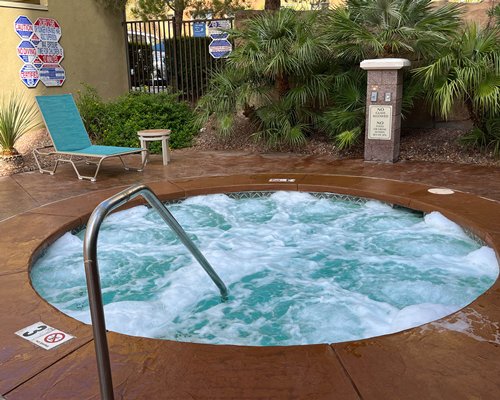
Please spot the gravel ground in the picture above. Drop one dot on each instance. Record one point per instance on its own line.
(25, 146)
(436, 145)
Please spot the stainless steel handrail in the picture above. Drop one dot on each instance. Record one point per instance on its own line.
(94, 282)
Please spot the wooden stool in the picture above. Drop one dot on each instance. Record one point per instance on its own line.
(150, 135)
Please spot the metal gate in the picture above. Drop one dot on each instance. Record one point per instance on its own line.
(165, 56)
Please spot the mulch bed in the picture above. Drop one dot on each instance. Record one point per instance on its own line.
(434, 145)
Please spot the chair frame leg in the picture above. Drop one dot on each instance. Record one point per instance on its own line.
(37, 153)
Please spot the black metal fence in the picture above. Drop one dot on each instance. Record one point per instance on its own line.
(165, 55)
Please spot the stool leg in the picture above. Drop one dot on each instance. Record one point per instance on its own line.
(164, 151)
(144, 145)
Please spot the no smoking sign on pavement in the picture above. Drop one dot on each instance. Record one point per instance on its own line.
(44, 335)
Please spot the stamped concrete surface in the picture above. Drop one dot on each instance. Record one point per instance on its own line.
(457, 357)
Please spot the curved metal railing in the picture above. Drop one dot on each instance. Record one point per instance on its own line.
(92, 271)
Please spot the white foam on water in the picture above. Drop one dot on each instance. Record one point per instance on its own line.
(299, 270)
(443, 225)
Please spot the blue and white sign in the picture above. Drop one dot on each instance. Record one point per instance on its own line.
(24, 27)
(26, 51)
(215, 29)
(199, 29)
(52, 75)
(29, 75)
(220, 48)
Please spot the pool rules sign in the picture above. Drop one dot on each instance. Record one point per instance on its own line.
(40, 51)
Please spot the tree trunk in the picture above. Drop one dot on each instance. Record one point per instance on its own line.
(272, 5)
(282, 85)
(178, 16)
(475, 118)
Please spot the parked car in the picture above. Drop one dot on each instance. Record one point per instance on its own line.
(159, 73)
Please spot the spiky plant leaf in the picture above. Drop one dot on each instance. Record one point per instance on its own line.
(17, 117)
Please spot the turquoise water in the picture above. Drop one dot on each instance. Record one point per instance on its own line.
(300, 269)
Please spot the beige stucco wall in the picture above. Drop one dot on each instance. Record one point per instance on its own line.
(93, 43)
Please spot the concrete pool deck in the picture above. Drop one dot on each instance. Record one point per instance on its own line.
(457, 357)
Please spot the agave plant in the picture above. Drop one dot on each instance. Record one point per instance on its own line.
(278, 74)
(17, 116)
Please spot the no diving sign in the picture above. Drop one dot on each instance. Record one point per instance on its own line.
(44, 335)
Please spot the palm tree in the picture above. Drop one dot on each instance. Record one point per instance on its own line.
(469, 72)
(277, 74)
(362, 29)
(412, 29)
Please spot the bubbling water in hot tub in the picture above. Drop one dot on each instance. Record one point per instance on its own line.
(301, 268)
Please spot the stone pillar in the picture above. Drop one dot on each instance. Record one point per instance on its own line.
(383, 108)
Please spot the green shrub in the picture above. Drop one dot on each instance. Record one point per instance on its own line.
(116, 123)
(486, 137)
(92, 110)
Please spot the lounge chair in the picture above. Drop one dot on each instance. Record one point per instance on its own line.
(70, 138)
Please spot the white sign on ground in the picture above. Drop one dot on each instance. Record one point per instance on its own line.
(44, 335)
(282, 180)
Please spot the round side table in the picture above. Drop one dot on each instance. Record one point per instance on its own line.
(150, 135)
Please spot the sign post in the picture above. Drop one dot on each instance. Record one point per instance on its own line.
(383, 108)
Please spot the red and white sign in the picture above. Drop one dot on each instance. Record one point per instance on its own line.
(44, 335)
(54, 337)
(26, 51)
(47, 29)
(29, 75)
(50, 52)
(37, 63)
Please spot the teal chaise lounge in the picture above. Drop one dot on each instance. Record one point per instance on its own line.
(70, 138)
